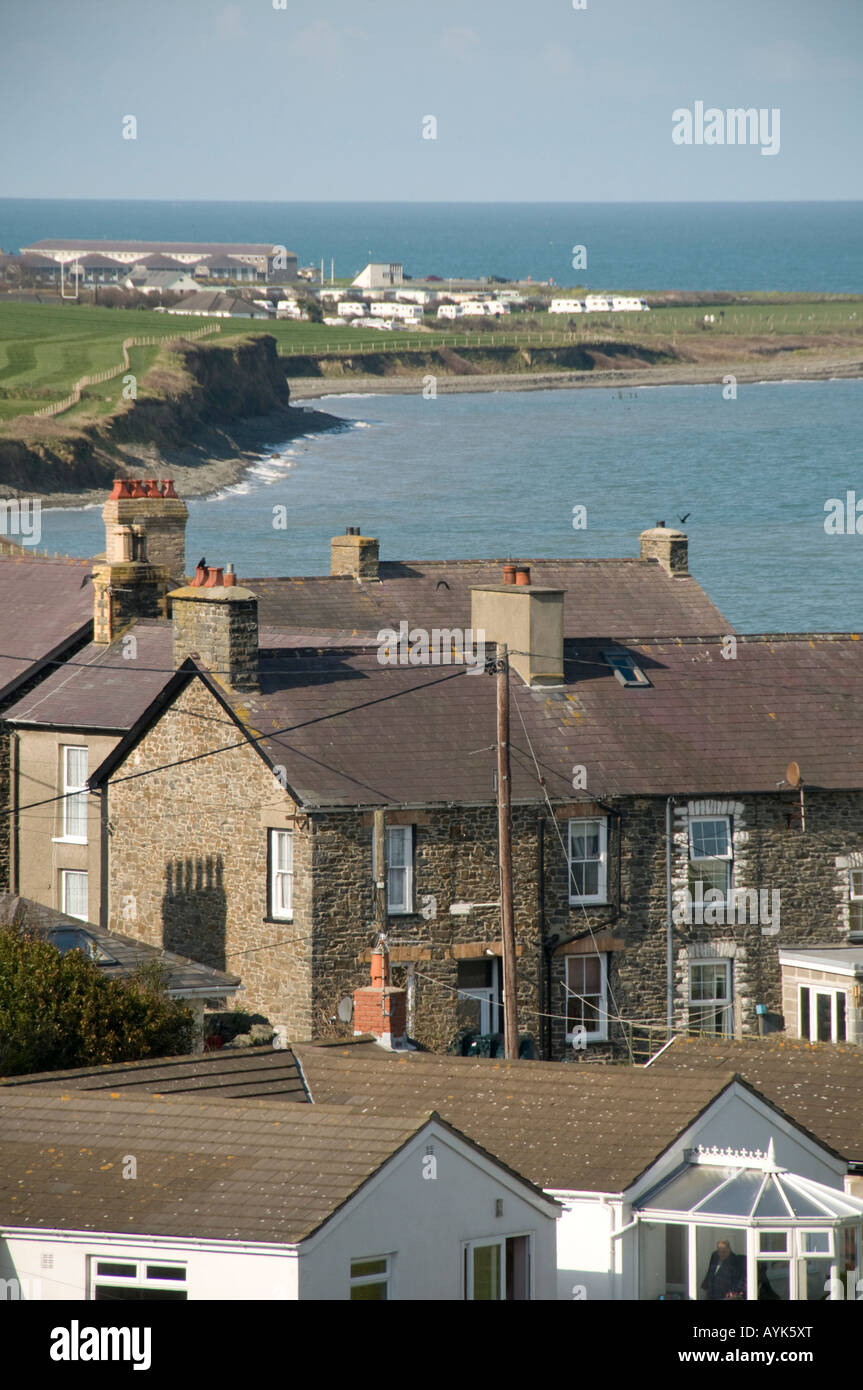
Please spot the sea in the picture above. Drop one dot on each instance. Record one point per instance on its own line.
(629, 246)
(754, 481)
(751, 479)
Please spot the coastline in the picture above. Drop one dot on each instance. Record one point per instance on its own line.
(683, 374)
(222, 455)
(217, 460)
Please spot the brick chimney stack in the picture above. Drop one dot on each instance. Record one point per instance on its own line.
(669, 547)
(354, 554)
(216, 620)
(378, 1008)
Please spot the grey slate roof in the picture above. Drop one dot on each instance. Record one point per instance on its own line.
(46, 605)
(565, 1127)
(604, 598)
(357, 732)
(261, 1073)
(100, 688)
(185, 977)
(820, 1085)
(211, 1170)
(215, 302)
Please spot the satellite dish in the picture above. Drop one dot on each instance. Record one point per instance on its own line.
(792, 775)
(345, 1009)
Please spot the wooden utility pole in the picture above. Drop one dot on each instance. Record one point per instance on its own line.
(380, 870)
(504, 835)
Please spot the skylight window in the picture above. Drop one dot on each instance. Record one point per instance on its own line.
(625, 668)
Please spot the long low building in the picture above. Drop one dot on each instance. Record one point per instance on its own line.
(211, 260)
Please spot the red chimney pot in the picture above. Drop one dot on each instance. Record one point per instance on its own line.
(522, 574)
(214, 577)
(120, 489)
(168, 487)
(509, 574)
(230, 577)
(151, 488)
(200, 577)
(136, 489)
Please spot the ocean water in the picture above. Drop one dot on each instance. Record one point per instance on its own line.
(499, 475)
(635, 246)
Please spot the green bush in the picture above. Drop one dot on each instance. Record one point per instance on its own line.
(59, 1011)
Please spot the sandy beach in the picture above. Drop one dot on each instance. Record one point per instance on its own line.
(817, 368)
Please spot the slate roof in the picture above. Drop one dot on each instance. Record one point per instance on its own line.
(101, 688)
(185, 977)
(565, 1127)
(260, 1073)
(604, 598)
(357, 732)
(46, 606)
(820, 1085)
(213, 302)
(209, 1170)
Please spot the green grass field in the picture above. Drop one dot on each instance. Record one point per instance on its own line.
(44, 348)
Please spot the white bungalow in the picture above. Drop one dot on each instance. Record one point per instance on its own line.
(219, 1199)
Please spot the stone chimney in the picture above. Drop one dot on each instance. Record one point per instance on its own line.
(669, 547)
(378, 1008)
(216, 620)
(354, 554)
(158, 511)
(528, 618)
(133, 581)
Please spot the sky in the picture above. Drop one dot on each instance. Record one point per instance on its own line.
(330, 101)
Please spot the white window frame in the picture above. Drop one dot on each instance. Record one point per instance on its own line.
(727, 858)
(814, 990)
(600, 1034)
(65, 875)
(405, 906)
(362, 1280)
(853, 899)
(601, 895)
(137, 1281)
(469, 1246)
(716, 1003)
(75, 794)
(281, 879)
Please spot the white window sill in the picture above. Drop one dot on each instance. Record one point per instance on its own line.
(588, 902)
(69, 840)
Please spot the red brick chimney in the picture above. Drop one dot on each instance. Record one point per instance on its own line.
(378, 1008)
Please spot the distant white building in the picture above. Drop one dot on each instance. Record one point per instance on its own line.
(406, 313)
(566, 306)
(350, 309)
(380, 275)
(161, 281)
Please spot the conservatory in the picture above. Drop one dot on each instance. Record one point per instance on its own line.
(787, 1237)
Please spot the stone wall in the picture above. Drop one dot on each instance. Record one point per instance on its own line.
(189, 869)
(189, 858)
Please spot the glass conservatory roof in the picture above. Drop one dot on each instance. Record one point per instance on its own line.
(716, 1185)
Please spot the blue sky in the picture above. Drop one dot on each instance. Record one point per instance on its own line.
(326, 101)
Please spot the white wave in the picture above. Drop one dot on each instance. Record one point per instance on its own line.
(235, 490)
(86, 507)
